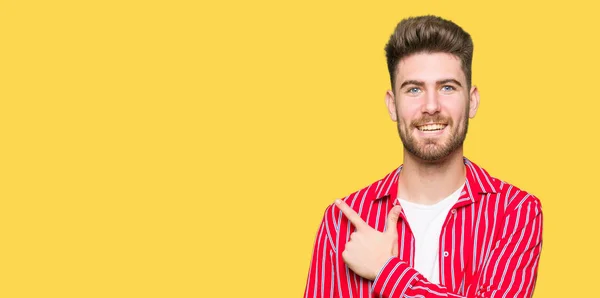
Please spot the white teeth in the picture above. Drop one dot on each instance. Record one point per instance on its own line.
(431, 127)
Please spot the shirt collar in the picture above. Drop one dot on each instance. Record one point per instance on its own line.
(478, 183)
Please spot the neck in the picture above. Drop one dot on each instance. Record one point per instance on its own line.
(427, 183)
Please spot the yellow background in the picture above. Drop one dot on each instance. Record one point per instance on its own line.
(189, 149)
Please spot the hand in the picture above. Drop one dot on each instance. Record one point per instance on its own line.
(368, 249)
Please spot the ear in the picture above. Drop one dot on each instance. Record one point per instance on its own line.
(390, 102)
(474, 102)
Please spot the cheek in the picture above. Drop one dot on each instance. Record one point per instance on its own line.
(407, 113)
(456, 112)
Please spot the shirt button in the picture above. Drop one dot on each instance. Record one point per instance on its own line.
(445, 254)
(453, 211)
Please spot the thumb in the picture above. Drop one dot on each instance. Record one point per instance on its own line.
(395, 249)
(392, 220)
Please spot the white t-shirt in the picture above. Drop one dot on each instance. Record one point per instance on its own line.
(426, 223)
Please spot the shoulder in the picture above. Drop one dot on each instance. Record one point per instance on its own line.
(514, 199)
(510, 197)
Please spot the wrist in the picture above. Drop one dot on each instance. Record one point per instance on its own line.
(380, 268)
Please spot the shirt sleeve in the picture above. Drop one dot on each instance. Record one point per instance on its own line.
(320, 282)
(510, 270)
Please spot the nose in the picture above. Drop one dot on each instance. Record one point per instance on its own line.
(432, 103)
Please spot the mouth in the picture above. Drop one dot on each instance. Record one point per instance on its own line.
(432, 127)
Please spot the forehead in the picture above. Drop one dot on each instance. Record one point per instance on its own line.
(429, 67)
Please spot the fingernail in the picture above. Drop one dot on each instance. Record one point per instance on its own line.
(337, 202)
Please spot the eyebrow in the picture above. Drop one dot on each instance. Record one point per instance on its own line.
(421, 83)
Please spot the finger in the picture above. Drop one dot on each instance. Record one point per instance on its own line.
(392, 220)
(351, 215)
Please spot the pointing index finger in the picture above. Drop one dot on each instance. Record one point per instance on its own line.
(351, 215)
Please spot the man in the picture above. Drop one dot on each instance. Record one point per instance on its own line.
(438, 225)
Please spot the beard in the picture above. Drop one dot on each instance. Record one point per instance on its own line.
(432, 149)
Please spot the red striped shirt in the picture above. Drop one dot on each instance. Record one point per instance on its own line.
(490, 244)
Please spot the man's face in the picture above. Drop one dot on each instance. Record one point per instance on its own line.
(431, 104)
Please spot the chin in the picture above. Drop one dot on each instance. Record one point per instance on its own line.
(433, 152)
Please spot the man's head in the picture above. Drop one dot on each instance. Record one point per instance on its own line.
(429, 60)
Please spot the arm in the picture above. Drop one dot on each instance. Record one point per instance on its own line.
(510, 269)
(320, 281)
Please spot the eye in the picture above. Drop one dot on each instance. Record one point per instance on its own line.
(448, 88)
(413, 90)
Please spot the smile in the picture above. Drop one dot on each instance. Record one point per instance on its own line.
(431, 127)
